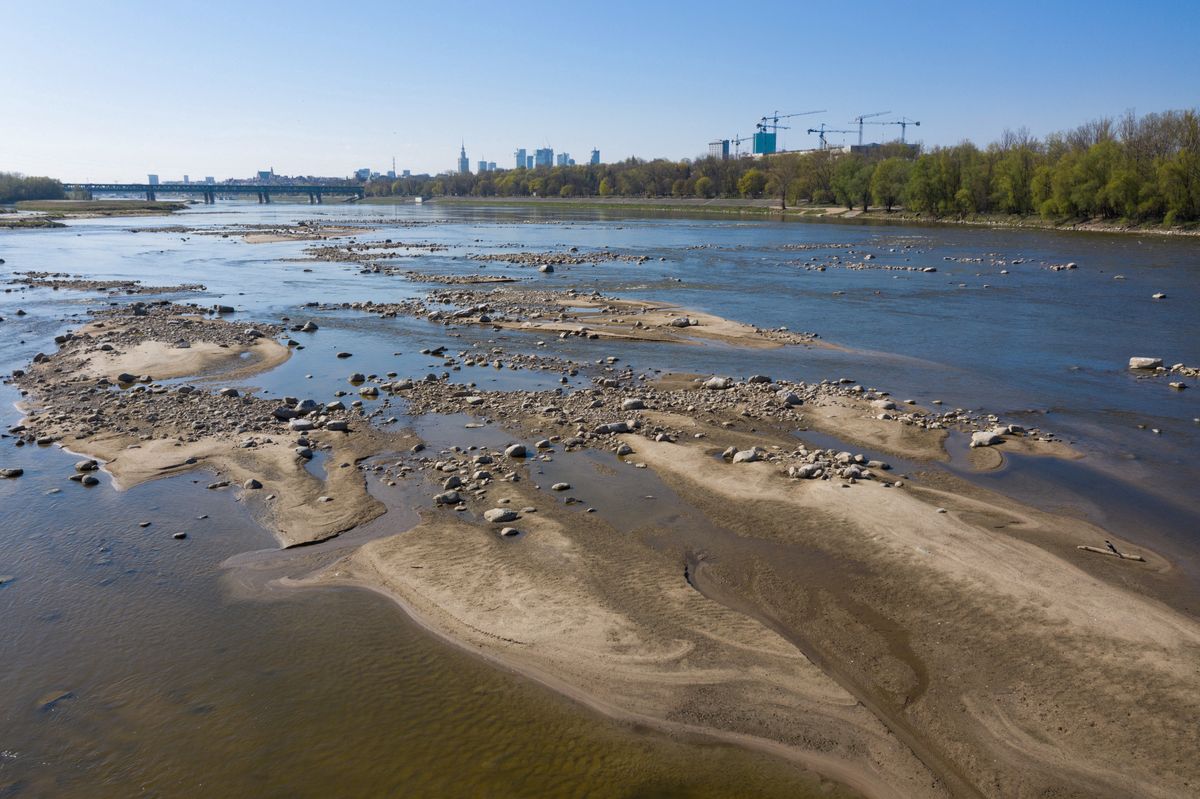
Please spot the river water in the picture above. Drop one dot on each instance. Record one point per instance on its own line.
(136, 663)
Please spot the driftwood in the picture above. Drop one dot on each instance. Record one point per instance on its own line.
(1121, 555)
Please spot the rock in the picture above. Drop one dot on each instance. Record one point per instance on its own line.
(11, 473)
(682, 321)
(252, 484)
(515, 451)
(345, 355)
(546, 268)
(748, 455)
(87, 466)
(759, 379)
(633, 405)
(301, 425)
(448, 498)
(357, 377)
(284, 413)
(985, 438)
(790, 399)
(500, 515)
(90, 480)
(126, 379)
(717, 383)
(224, 308)
(1178, 385)
(883, 404)
(308, 327)
(613, 427)
(1145, 363)
(179, 536)
(510, 532)
(48, 701)
(624, 449)
(229, 392)
(1158, 296)
(304, 452)
(561, 487)
(338, 426)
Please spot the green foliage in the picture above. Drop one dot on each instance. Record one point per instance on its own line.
(704, 186)
(752, 183)
(888, 181)
(852, 181)
(15, 187)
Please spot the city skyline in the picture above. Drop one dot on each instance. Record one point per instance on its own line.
(966, 72)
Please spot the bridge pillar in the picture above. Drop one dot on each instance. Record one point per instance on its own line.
(266, 198)
(319, 201)
(260, 199)
(312, 198)
(150, 196)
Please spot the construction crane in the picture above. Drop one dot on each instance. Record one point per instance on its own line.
(858, 120)
(737, 144)
(903, 122)
(821, 131)
(771, 124)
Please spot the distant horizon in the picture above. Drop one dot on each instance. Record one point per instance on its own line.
(86, 104)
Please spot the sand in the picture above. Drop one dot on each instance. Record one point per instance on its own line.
(900, 649)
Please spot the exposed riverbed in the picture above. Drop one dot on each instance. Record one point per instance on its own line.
(140, 662)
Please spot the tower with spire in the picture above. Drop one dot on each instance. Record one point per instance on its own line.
(464, 166)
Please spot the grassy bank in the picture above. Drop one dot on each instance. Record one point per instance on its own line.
(770, 207)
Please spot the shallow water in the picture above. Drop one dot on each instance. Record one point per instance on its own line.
(189, 674)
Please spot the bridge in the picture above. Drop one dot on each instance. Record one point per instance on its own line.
(211, 190)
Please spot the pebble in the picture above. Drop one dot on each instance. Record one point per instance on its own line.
(500, 515)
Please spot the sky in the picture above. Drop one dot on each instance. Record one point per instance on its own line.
(100, 91)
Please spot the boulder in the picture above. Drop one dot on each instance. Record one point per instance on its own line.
(985, 438)
(515, 451)
(1145, 363)
(500, 515)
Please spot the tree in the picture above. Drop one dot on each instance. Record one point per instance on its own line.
(888, 181)
(852, 181)
(752, 183)
(704, 186)
(605, 187)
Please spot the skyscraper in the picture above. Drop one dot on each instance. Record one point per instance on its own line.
(529, 162)
(481, 166)
(595, 159)
(544, 156)
(564, 159)
(464, 165)
(520, 156)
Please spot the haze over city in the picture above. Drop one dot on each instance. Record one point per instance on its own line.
(227, 89)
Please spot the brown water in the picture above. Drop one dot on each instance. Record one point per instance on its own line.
(179, 670)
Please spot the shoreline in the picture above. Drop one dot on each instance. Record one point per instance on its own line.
(801, 213)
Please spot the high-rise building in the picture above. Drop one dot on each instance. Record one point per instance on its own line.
(719, 149)
(595, 159)
(464, 166)
(359, 174)
(481, 166)
(392, 174)
(152, 180)
(544, 156)
(491, 166)
(529, 162)
(186, 180)
(210, 179)
(406, 173)
(520, 156)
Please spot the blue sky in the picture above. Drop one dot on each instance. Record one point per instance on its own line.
(113, 90)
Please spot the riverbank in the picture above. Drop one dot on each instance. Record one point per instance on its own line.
(87, 209)
(803, 212)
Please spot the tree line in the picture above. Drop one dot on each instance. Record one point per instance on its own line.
(1135, 168)
(15, 187)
